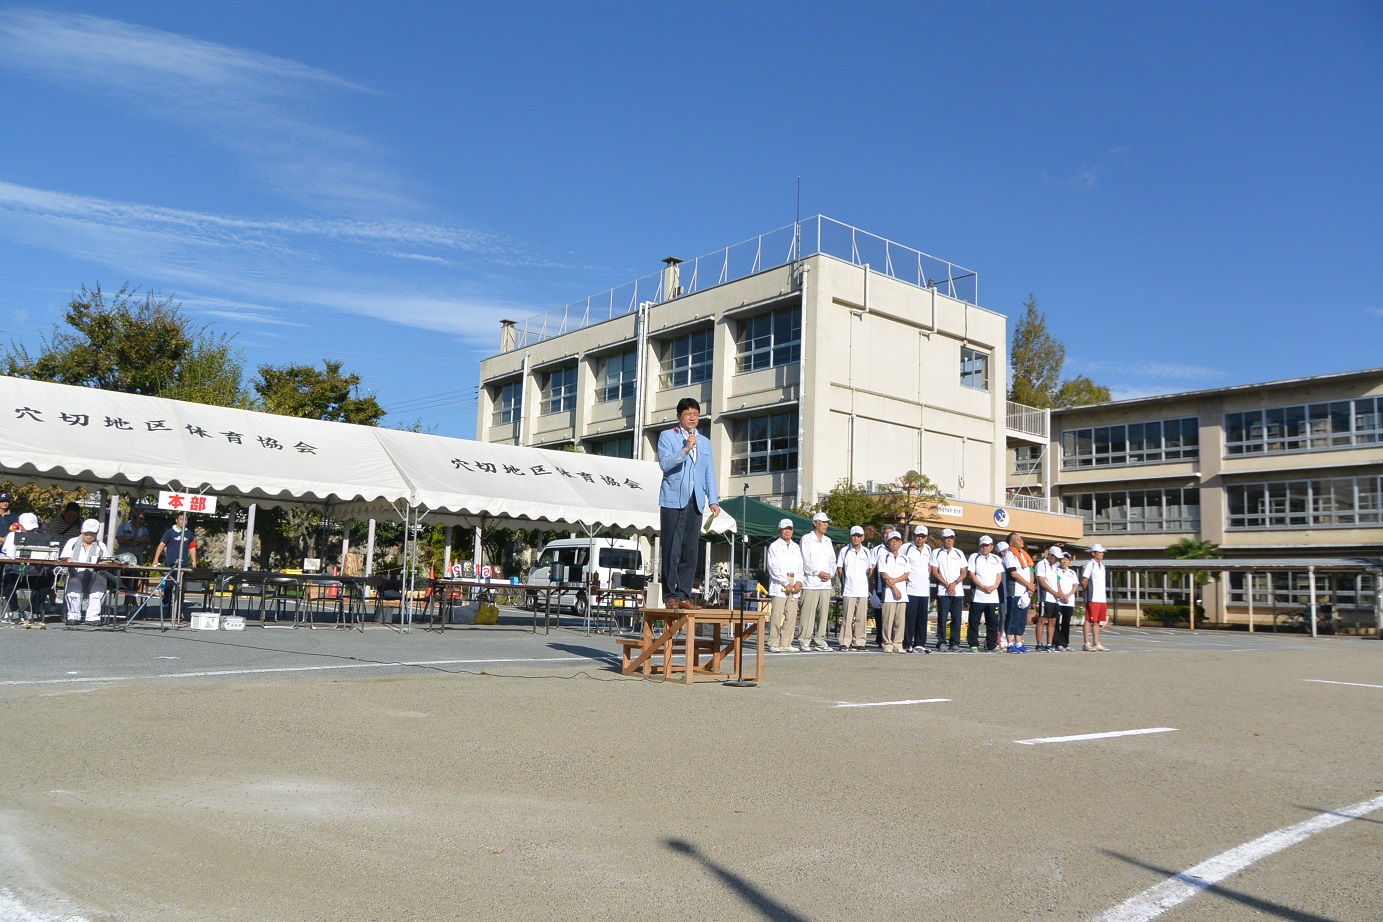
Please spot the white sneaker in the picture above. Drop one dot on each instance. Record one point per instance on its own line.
(1089, 648)
(825, 649)
(1102, 648)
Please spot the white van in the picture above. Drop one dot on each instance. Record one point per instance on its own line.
(618, 562)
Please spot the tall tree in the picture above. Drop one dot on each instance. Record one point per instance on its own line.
(121, 343)
(1036, 359)
(850, 504)
(309, 393)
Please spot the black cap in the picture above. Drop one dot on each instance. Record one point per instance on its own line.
(4, 497)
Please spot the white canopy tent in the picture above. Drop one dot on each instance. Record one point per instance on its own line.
(70, 435)
(508, 486)
(57, 433)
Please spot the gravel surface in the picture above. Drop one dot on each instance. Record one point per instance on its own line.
(310, 775)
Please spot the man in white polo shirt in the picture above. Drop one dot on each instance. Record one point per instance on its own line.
(854, 564)
(948, 572)
(818, 566)
(1092, 581)
(919, 591)
(986, 572)
(784, 583)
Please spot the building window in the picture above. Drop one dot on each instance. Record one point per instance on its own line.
(1027, 459)
(559, 391)
(687, 360)
(1135, 443)
(615, 376)
(508, 403)
(1174, 509)
(1306, 427)
(764, 444)
(769, 340)
(1156, 587)
(1292, 589)
(622, 447)
(974, 369)
(1335, 502)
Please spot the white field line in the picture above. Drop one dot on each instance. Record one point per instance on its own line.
(889, 704)
(1174, 891)
(1095, 736)
(268, 670)
(1355, 684)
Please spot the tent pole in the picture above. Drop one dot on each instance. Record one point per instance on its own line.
(249, 534)
(370, 550)
(655, 585)
(345, 546)
(230, 534)
(706, 575)
(446, 556)
(112, 520)
(475, 552)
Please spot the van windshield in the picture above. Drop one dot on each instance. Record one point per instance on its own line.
(619, 558)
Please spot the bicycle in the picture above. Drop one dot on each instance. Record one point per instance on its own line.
(1298, 620)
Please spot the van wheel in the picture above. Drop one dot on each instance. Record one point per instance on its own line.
(530, 601)
(581, 607)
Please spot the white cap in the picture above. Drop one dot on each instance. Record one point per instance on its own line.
(1054, 551)
(1064, 555)
(784, 523)
(985, 539)
(28, 521)
(1001, 546)
(856, 530)
(821, 517)
(947, 533)
(893, 534)
(1097, 548)
(920, 530)
(91, 526)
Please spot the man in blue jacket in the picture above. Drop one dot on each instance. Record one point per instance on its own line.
(689, 486)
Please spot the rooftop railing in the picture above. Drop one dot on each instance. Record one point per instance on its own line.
(817, 235)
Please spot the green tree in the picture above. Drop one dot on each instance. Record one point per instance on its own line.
(309, 393)
(1036, 359)
(849, 504)
(1080, 391)
(1194, 549)
(122, 343)
(914, 496)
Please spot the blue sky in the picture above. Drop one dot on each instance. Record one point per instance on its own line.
(1192, 190)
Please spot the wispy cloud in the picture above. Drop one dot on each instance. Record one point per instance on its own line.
(1160, 371)
(1376, 311)
(420, 257)
(269, 110)
(1089, 175)
(266, 272)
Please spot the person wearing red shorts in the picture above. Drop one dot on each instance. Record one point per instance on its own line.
(1092, 582)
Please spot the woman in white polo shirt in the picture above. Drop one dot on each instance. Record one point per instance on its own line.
(854, 565)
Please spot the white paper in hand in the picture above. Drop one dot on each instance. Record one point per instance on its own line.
(720, 523)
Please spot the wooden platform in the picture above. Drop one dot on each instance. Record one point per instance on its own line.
(703, 658)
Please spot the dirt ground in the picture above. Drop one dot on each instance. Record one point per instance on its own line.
(149, 778)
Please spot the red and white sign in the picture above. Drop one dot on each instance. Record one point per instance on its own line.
(186, 502)
(486, 571)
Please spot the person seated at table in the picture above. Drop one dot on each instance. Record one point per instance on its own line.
(38, 581)
(132, 539)
(84, 582)
(181, 546)
(67, 525)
